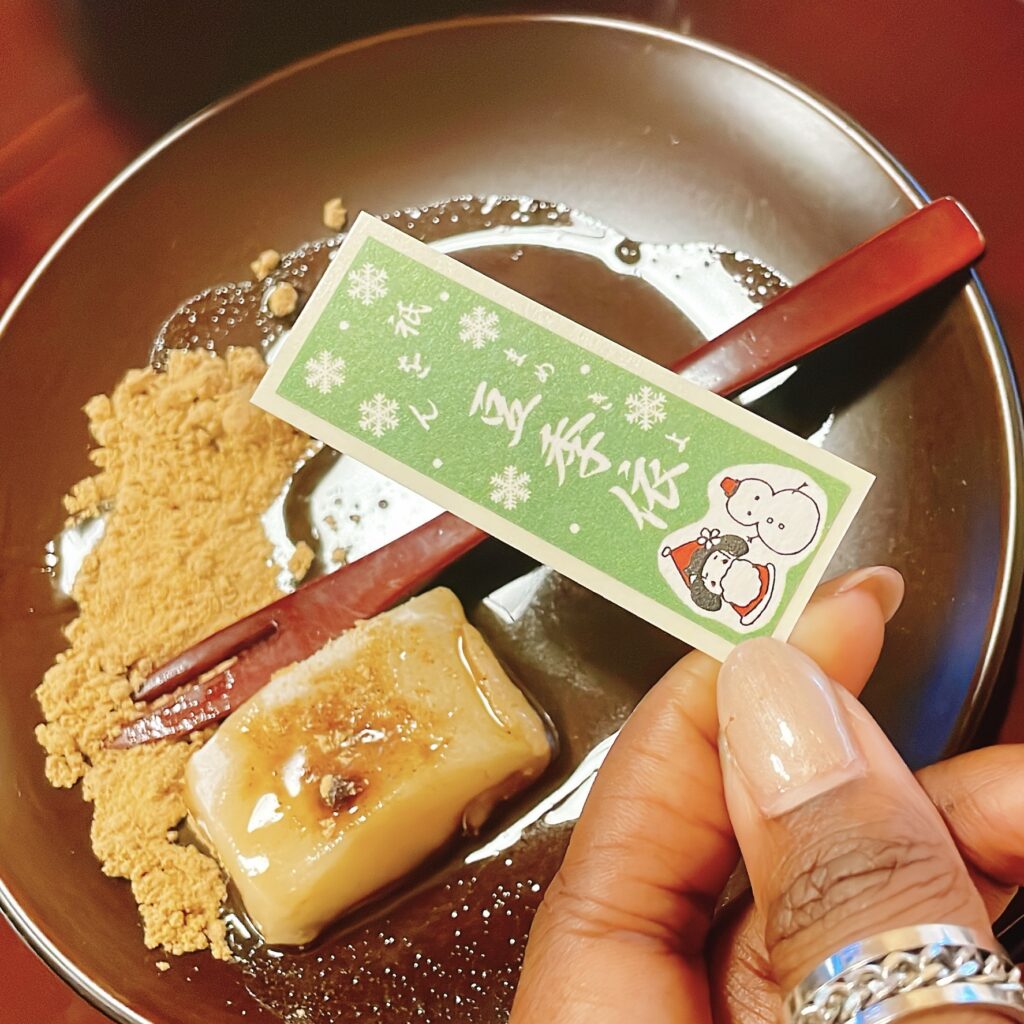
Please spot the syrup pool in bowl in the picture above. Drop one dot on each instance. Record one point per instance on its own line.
(447, 943)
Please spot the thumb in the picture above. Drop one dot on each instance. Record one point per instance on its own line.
(653, 847)
(840, 841)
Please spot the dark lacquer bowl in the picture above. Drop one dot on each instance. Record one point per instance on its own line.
(669, 140)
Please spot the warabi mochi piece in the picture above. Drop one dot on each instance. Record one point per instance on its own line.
(349, 768)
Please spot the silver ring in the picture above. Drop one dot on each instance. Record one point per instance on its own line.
(905, 971)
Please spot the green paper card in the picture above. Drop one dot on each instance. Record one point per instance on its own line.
(678, 505)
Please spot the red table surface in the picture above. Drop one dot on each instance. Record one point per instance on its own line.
(939, 82)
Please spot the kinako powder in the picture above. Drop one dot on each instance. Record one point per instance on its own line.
(186, 466)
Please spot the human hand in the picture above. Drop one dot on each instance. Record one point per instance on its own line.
(839, 840)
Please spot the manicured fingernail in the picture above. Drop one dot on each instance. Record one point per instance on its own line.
(784, 727)
(883, 583)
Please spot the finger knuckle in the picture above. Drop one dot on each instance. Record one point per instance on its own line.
(643, 905)
(981, 809)
(591, 914)
(838, 881)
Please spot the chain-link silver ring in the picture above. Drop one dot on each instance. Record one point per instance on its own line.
(906, 971)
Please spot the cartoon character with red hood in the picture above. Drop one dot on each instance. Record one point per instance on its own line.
(716, 573)
(769, 511)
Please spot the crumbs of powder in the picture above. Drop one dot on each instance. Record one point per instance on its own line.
(283, 300)
(186, 467)
(301, 560)
(335, 214)
(265, 264)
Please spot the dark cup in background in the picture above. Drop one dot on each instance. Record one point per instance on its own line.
(160, 61)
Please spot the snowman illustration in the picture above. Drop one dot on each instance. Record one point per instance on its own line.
(786, 521)
(715, 573)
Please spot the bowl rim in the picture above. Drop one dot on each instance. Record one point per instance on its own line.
(1007, 591)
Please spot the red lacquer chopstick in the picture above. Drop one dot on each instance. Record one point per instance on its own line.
(892, 266)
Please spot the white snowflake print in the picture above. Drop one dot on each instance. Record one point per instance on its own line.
(510, 487)
(325, 372)
(378, 415)
(368, 284)
(645, 408)
(479, 327)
